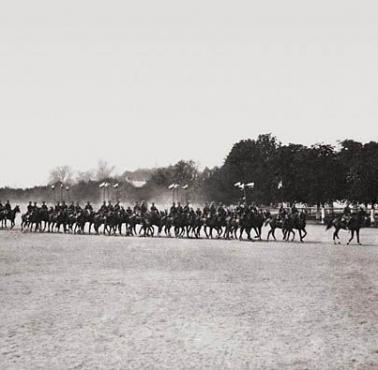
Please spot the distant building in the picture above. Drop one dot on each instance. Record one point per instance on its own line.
(136, 183)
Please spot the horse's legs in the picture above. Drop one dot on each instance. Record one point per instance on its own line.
(248, 231)
(211, 232)
(198, 232)
(241, 233)
(336, 235)
(305, 233)
(300, 235)
(358, 236)
(274, 233)
(351, 238)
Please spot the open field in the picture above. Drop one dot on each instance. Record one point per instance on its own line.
(95, 302)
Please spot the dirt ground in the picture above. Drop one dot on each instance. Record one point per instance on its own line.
(96, 302)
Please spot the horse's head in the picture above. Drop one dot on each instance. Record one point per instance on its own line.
(17, 209)
(367, 221)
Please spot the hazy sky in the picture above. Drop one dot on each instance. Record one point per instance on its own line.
(146, 83)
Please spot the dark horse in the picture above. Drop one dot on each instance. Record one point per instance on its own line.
(353, 224)
(9, 215)
(294, 222)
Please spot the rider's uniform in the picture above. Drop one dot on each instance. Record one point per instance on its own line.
(143, 208)
(29, 208)
(282, 213)
(221, 211)
(173, 210)
(8, 207)
(347, 212)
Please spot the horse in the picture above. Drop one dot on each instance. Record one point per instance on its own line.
(232, 225)
(294, 222)
(275, 222)
(353, 224)
(214, 221)
(251, 220)
(11, 216)
(31, 218)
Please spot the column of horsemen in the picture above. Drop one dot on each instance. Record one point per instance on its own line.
(215, 220)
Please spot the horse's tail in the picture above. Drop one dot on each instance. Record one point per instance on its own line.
(329, 223)
(267, 221)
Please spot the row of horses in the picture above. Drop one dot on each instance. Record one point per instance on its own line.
(230, 225)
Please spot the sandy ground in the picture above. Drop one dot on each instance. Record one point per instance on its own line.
(95, 302)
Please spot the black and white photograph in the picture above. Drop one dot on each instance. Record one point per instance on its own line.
(189, 185)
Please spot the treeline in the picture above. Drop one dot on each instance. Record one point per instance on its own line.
(315, 175)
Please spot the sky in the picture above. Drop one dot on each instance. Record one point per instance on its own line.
(146, 83)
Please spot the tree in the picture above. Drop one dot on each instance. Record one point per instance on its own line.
(253, 161)
(104, 170)
(360, 163)
(85, 176)
(289, 169)
(62, 174)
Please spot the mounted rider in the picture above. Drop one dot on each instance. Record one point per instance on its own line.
(110, 206)
(137, 208)
(71, 207)
(173, 209)
(187, 207)
(221, 211)
(117, 206)
(179, 208)
(88, 206)
(361, 212)
(143, 207)
(282, 213)
(154, 209)
(206, 209)
(78, 209)
(347, 213)
(29, 208)
(8, 206)
(239, 208)
(103, 208)
(44, 206)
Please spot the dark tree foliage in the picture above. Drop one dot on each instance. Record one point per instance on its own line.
(360, 163)
(252, 161)
(314, 175)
